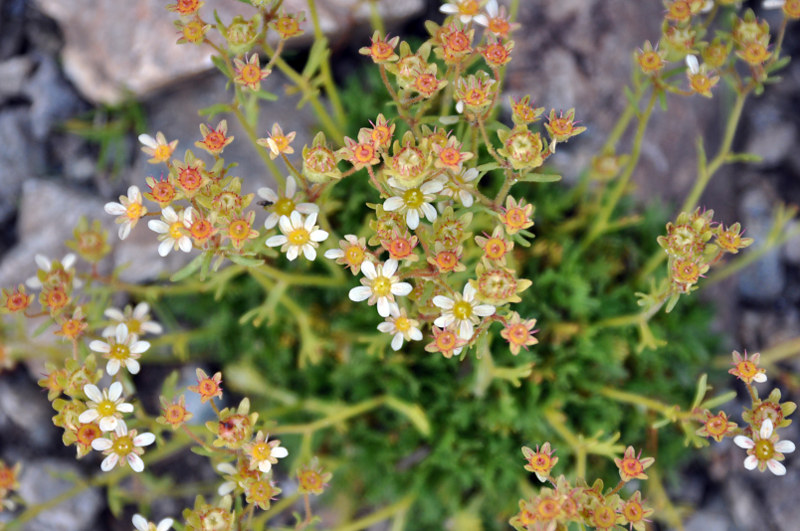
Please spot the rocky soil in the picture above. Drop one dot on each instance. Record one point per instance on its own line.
(61, 60)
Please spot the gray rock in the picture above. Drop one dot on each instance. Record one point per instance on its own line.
(771, 136)
(28, 413)
(20, 158)
(53, 100)
(45, 479)
(13, 73)
(114, 48)
(763, 281)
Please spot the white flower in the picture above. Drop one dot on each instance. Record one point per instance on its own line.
(46, 265)
(298, 235)
(227, 486)
(692, 64)
(460, 184)
(128, 211)
(137, 320)
(264, 453)
(415, 202)
(123, 445)
(107, 406)
(284, 205)
(764, 450)
(463, 312)
(467, 11)
(352, 252)
(173, 231)
(380, 284)
(121, 348)
(401, 326)
(141, 524)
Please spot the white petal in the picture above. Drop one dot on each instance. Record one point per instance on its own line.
(265, 466)
(139, 347)
(481, 19)
(144, 439)
(429, 211)
(112, 367)
(443, 302)
(115, 314)
(134, 195)
(285, 224)
(108, 424)
(114, 391)
(271, 220)
(386, 327)
(268, 194)
(751, 462)
(773, 4)
(311, 220)
(124, 230)
(280, 452)
(743, 442)
(760, 377)
(101, 444)
(165, 524)
(334, 253)
(318, 236)
(125, 407)
(296, 218)
(393, 203)
(139, 522)
(397, 341)
(360, 293)
(483, 310)
(109, 462)
(42, 261)
(384, 308)
(226, 488)
(307, 208)
(152, 327)
(132, 366)
(368, 268)
(99, 346)
(766, 429)
(466, 198)
(465, 329)
(276, 241)
(389, 267)
(292, 252)
(401, 289)
(776, 467)
(460, 106)
(92, 393)
(185, 244)
(449, 9)
(121, 333)
(415, 334)
(156, 225)
(432, 187)
(309, 252)
(165, 247)
(148, 141)
(784, 447)
(115, 209)
(291, 186)
(412, 219)
(137, 465)
(443, 321)
(88, 416)
(692, 64)
(469, 292)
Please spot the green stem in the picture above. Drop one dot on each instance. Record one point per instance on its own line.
(325, 70)
(332, 419)
(379, 515)
(601, 223)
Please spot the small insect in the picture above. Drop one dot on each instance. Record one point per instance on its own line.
(265, 203)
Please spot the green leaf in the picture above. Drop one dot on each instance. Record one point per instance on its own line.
(213, 110)
(412, 412)
(662, 100)
(489, 166)
(264, 95)
(169, 385)
(189, 269)
(319, 52)
(743, 157)
(245, 260)
(221, 65)
(540, 178)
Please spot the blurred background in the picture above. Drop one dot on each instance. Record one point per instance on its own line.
(80, 79)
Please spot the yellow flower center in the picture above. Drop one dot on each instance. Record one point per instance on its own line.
(495, 249)
(123, 445)
(755, 53)
(475, 97)
(87, 433)
(650, 62)
(310, 480)
(446, 260)
(382, 286)
(499, 26)
(764, 450)
(354, 255)
(402, 324)
(251, 74)
(119, 351)
(413, 198)
(518, 334)
(458, 41)
(446, 341)
(260, 491)
(450, 156)
(633, 512)
(381, 135)
(381, 50)
(162, 153)
(548, 509)
(746, 369)
(469, 7)
(364, 153)
(604, 516)
(299, 236)
(700, 83)
(176, 230)
(287, 26)
(239, 229)
(462, 310)
(193, 31)
(134, 211)
(106, 408)
(260, 451)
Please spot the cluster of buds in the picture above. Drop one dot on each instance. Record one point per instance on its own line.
(685, 38)
(563, 503)
(765, 448)
(694, 243)
(9, 481)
